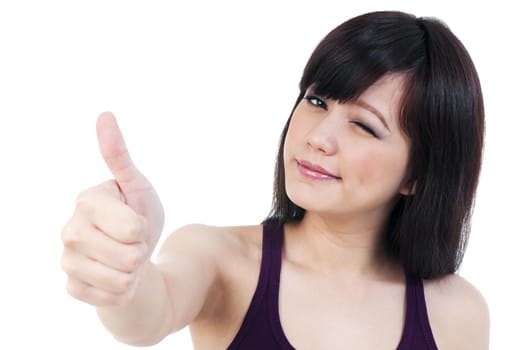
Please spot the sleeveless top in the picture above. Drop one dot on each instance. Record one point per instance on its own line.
(261, 328)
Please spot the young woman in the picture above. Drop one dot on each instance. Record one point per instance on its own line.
(375, 182)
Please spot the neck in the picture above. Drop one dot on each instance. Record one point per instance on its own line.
(330, 246)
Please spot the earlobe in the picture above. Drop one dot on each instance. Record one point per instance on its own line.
(409, 189)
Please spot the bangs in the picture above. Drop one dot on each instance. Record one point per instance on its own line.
(337, 77)
(358, 53)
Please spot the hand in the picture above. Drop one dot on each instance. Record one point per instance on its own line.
(114, 229)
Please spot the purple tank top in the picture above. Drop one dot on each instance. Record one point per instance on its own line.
(261, 328)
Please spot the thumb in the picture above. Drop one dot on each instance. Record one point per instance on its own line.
(135, 188)
(115, 153)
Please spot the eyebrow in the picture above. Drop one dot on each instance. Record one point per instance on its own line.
(373, 110)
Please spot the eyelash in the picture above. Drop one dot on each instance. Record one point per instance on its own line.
(366, 128)
(319, 103)
(316, 102)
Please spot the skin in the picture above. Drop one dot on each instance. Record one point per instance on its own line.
(205, 276)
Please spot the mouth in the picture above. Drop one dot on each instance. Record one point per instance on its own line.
(314, 171)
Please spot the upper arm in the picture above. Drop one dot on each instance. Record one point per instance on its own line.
(188, 263)
(458, 313)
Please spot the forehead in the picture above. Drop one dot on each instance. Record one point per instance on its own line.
(385, 95)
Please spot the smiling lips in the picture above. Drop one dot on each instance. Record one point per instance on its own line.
(314, 171)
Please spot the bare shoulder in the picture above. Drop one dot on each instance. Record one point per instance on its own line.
(195, 261)
(458, 312)
(211, 240)
(219, 267)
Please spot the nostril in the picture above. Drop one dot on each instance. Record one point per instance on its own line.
(322, 145)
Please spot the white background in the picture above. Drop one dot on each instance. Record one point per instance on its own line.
(201, 91)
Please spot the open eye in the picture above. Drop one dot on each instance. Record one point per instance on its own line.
(316, 101)
(365, 128)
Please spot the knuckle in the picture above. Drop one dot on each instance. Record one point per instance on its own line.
(124, 282)
(68, 266)
(69, 235)
(133, 229)
(76, 290)
(89, 294)
(84, 200)
(133, 259)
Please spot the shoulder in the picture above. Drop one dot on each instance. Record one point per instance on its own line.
(212, 242)
(222, 261)
(458, 312)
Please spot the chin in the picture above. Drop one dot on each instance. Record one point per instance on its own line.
(308, 199)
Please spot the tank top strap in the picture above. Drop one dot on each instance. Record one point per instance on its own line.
(274, 233)
(276, 247)
(253, 314)
(417, 333)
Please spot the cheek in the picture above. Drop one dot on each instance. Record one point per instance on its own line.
(294, 134)
(380, 168)
(365, 166)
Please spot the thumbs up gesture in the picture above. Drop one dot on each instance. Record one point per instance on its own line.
(114, 228)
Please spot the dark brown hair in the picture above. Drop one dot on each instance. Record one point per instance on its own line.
(441, 113)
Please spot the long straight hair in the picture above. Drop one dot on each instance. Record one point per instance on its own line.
(441, 113)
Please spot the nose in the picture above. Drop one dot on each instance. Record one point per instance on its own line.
(323, 136)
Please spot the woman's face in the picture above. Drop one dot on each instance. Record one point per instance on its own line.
(347, 158)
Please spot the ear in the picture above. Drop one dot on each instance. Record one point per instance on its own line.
(409, 188)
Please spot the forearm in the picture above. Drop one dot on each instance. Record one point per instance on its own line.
(147, 318)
